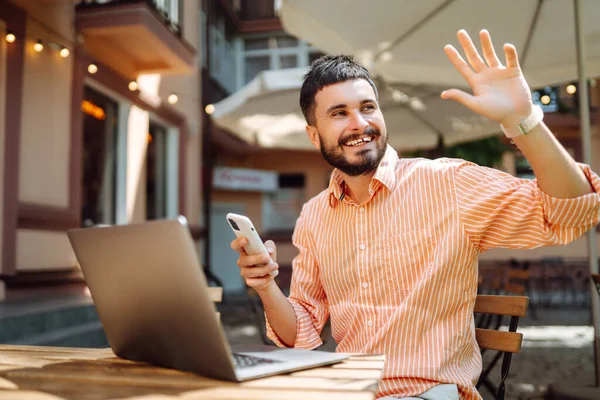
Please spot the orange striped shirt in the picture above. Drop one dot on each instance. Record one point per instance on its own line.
(398, 274)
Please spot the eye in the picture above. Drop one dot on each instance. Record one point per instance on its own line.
(368, 107)
(339, 113)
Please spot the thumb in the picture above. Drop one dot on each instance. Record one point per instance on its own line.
(272, 249)
(463, 98)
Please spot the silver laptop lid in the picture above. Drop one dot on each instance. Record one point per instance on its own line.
(150, 294)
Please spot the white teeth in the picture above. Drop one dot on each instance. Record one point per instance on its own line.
(365, 139)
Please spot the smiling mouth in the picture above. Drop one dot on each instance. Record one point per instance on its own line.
(361, 141)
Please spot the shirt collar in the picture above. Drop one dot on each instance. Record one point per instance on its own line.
(385, 174)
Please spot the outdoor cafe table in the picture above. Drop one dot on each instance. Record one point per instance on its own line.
(53, 373)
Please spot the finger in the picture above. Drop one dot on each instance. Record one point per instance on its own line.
(256, 272)
(251, 261)
(459, 63)
(272, 249)
(463, 98)
(512, 59)
(470, 51)
(238, 245)
(488, 49)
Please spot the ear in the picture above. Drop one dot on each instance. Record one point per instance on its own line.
(313, 136)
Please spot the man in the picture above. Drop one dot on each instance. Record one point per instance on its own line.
(390, 249)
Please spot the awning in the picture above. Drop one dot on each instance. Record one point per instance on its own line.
(266, 112)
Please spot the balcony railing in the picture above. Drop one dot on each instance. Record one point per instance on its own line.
(170, 11)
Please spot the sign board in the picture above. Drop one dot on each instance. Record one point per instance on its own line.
(252, 180)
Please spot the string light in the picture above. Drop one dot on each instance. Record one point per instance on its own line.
(10, 37)
(209, 109)
(173, 99)
(571, 89)
(545, 99)
(133, 86)
(38, 46)
(92, 68)
(64, 52)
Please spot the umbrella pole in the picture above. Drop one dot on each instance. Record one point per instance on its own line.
(584, 115)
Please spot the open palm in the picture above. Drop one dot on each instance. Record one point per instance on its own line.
(499, 92)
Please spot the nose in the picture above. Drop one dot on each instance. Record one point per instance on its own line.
(357, 122)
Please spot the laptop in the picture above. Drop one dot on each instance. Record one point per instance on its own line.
(152, 299)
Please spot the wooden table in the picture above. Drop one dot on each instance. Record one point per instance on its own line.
(53, 373)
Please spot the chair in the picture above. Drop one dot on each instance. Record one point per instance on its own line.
(518, 283)
(558, 278)
(596, 280)
(216, 296)
(505, 343)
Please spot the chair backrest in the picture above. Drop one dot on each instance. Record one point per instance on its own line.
(513, 306)
(216, 296)
(490, 281)
(596, 280)
(505, 343)
(516, 281)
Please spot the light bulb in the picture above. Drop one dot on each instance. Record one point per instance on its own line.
(38, 46)
(209, 109)
(571, 89)
(92, 68)
(133, 86)
(10, 37)
(545, 99)
(64, 52)
(173, 99)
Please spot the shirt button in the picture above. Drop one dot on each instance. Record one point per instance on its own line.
(370, 323)
(365, 285)
(362, 209)
(362, 247)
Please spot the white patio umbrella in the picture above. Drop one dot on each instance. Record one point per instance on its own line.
(403, 40)
(267, 112)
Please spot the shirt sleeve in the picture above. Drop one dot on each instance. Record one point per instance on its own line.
(499, 210)
(306, 294)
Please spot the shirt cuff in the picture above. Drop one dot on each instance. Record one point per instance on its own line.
(307, 336)
(577, 212)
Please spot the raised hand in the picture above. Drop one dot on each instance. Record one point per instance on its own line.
(499, 92)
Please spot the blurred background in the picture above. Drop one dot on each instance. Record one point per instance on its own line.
(123, 111)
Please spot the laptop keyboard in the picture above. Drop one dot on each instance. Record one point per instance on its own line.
(245, 361)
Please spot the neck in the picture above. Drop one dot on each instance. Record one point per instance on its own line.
(357, 187)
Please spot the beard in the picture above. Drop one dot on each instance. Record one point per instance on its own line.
(367, 160)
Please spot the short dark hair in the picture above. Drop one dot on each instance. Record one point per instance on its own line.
(325, 71)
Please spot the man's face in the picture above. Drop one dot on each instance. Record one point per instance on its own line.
(349, 128)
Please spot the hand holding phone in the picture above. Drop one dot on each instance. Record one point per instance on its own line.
(243, 227)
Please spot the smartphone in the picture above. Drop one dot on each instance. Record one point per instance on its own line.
(242, 226)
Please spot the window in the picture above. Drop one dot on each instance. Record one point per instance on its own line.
(254, 9)
(275, 52)
(221, 41)
(314, 55)
(254, 65)
(156, 172)
(98, 184)
(282, 208)
(257, 44)
(288, 61)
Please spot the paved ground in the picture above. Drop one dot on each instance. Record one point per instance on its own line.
(556, 349)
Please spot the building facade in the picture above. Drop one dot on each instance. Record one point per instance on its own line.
(99, 112)
(119, 131)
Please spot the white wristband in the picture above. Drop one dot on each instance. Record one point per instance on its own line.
(526, 125)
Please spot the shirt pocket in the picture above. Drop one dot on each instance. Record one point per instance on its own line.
(405, 259)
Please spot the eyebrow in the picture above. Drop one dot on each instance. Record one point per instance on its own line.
(336, 106)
